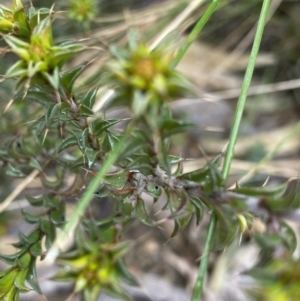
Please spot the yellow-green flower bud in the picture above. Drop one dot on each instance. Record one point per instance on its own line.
(6, 26)
(6, 20)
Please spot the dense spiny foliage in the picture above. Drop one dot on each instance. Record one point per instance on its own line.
(68, 140)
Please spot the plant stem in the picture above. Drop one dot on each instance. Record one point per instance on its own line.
(195, 32)
(198, 289)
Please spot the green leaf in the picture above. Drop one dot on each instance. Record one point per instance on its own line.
(140, 102)
(288, 237)
(24, 260)
(36, 202)
(36, 249)
(9, 259)
(198, 206)
(65, 275)
(285, 203)
(124, 274)
(89, 99)
(50, 235)
(36, 15)
(164, 158)
(141, 162)
(84, 139)
(63, 53)
(181, 220)
(29, 218)
(120, 249)
(77, 163)
(20, 281)
(57, 216)
(86, 111)
(53, 78)
(68, 142)
(177, 227)
(31, 238)
(12, 295)
(175, 159)
(34, 68)
(153, 189)
(85, 243)
(198, 175)
(226, 229)
(19, 245)
(142, 213)
(273, 191)
(176, 200)
(45, 225)
(13, 171)
(109, 142)
(127, 208)
(91, 156)
(7, 281)
(117, 179)
(172, 126)
(68, 78)
(20, 19)
(107, 235)
(92, 293)
(36, 94)
(55, 184)
(100, 125)
(35, 164)
(18, 46)
(32, 277)
(267, 240)
(17, 70)
(53, 111)
(136, 143)
(238, 205)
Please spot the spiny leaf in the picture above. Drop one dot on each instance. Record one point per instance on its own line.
(198, 207)
(288, 236)
(20, 281)
(124, 274)
(68, 78)
(89, 99)
(29, 218)
(31, 277)
(37, 202)
(117, 179)
(273, 191)
(100, 125)
(36, 249)
(68, 142)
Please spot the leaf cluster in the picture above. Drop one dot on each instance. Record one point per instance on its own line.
(68, 140)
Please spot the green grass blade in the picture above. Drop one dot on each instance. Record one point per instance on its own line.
(198, 289)
(195, 32)
(245, 87)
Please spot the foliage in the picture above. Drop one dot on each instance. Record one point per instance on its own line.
(66, 139)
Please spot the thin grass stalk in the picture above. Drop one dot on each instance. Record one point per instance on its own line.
(198, 289)
(195, 32)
